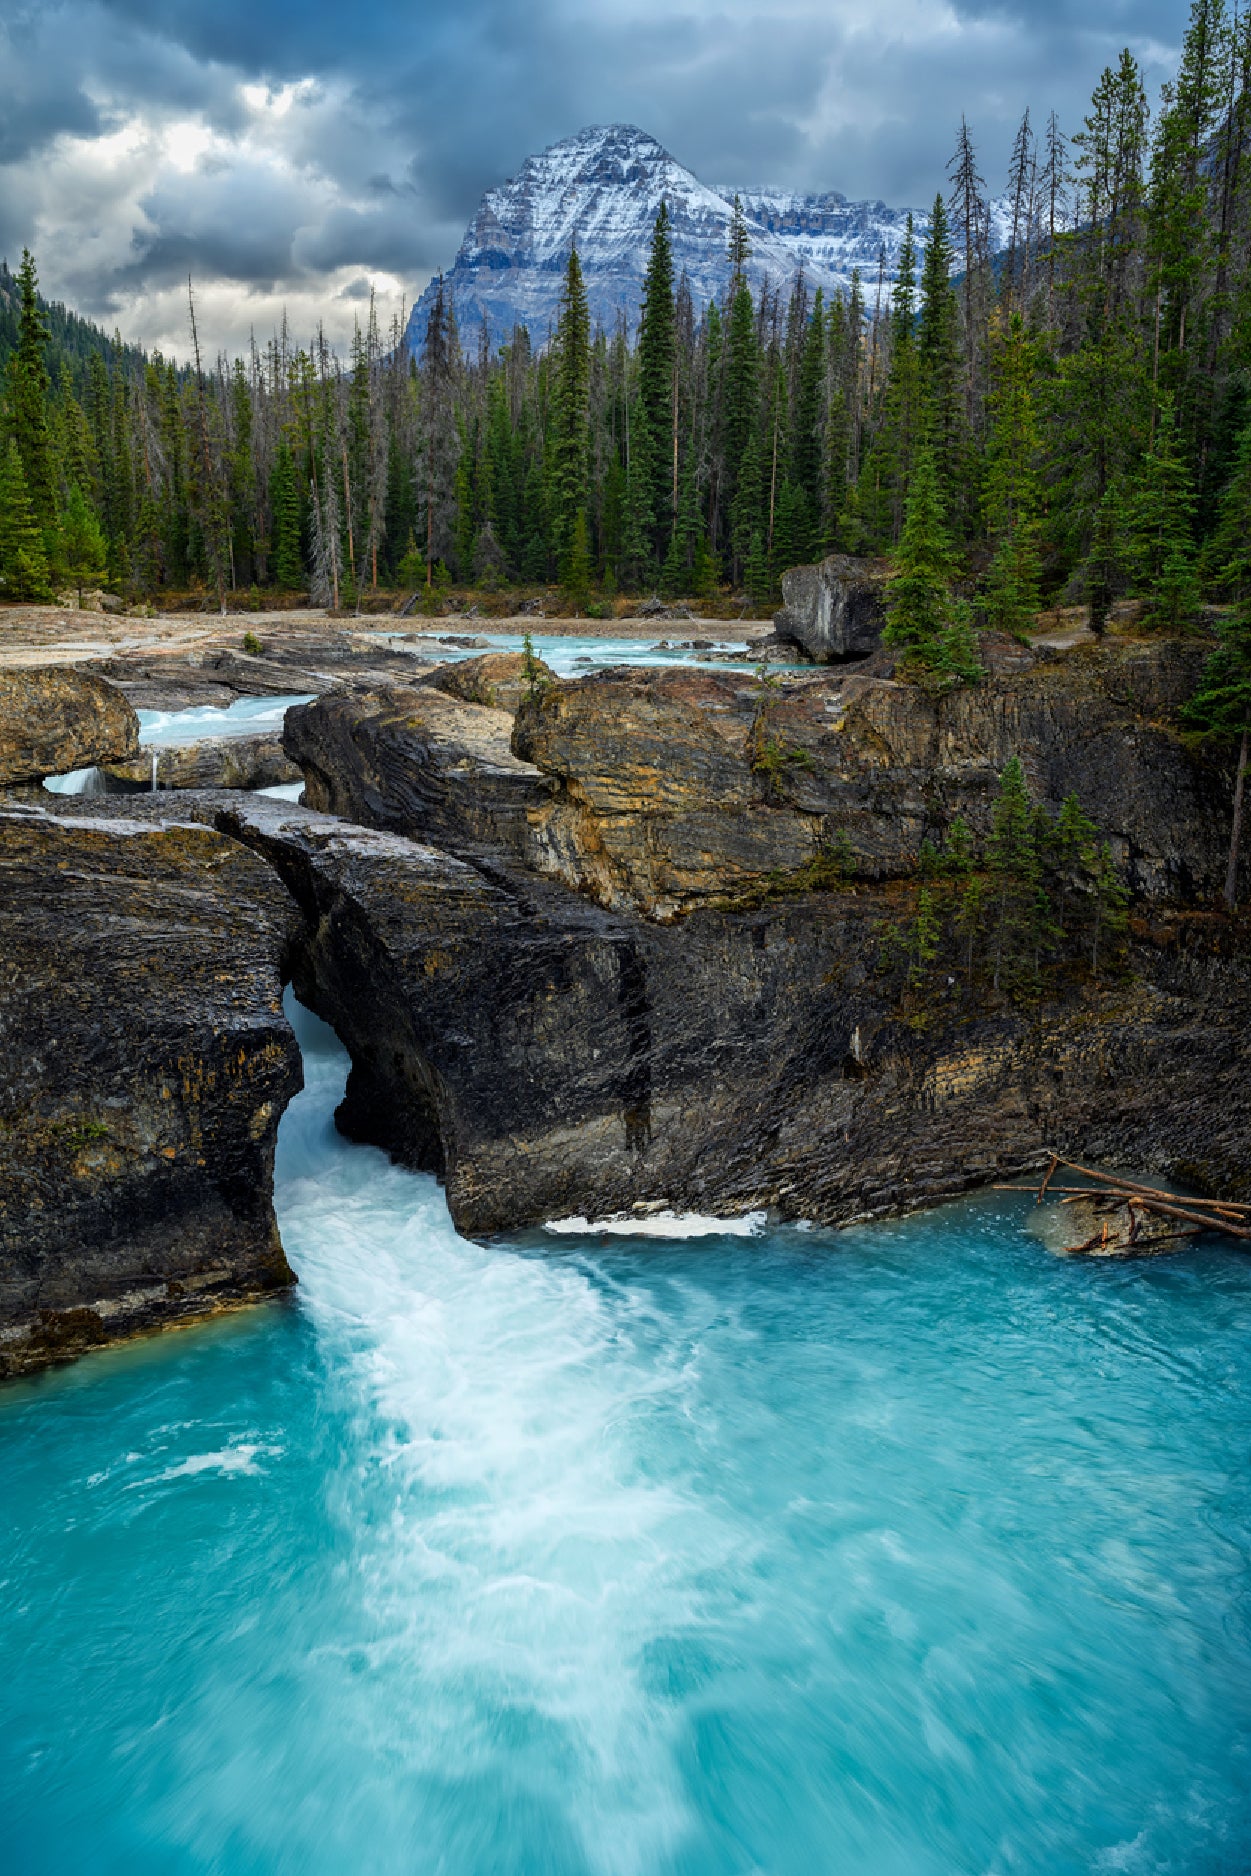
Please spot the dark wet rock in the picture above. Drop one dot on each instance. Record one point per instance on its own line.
(835, 609)
(145, 1068)
(55, 718)
(217, 762)
(418, 761)
(303, 664)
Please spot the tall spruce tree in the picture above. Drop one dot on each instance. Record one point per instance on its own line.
(740, 423)
(1011, 495)
(657, 376)
(83, 551)
(288, 561)
(1100, 395)
(28, 389)
(1159, 520)
(940, 368)
(569, 413)
(1220, 712)
(920, 607)
(1021, 919)
(23, 563)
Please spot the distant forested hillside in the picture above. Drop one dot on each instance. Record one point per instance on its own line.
(72, 342)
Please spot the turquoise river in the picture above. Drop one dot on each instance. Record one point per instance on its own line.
(913, 1550)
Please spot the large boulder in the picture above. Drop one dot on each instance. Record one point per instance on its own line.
(54, 718)
(834, 610)
(217, 762)
(146, 1064)
(549, 1058)
(499, 679)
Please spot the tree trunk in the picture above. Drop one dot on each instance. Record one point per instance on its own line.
(1231, 876)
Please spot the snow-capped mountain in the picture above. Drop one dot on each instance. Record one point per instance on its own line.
(603, 189)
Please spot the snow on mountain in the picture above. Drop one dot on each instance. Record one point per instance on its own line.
(603, 188)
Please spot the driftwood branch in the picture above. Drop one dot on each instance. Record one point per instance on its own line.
(1226, 1215)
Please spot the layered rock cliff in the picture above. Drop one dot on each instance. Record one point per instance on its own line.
(659, 791)
(550, 1058)
(598, 947)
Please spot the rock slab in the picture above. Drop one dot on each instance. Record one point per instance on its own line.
(54, 718)
(216, 762)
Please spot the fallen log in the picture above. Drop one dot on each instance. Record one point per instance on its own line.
(1113, 1189)
(1112, 1181)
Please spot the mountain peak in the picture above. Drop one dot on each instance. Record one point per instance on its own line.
(601, 189)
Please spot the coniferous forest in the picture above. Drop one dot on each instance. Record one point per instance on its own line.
(1064, 420)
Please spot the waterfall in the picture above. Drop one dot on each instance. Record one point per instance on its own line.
(155, 759)
(76, 782)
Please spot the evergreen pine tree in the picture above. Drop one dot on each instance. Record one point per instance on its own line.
(756, 568)
(29, 386)
(919, 605)
(657, 364)
(1226, 557)
(570, 394)
(1100, 394)
(1019, 910)
(940, 368)
(1220, 712)
(638, 560)
(577, 572)
(1011, 494)
(740, 419)
(82, 550)
(1159, 522)
(287, 561)
(1106, 562)
(23, 563)
(806, 437)
(894, 453)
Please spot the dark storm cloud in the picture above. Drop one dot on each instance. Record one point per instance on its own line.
(337, 146)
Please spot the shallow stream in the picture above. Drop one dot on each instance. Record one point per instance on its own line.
(572, 656)
(905, 1551)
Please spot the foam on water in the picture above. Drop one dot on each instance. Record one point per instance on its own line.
(912, 1549)
(659, 1224)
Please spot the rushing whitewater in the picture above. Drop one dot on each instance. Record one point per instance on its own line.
(903, 1551)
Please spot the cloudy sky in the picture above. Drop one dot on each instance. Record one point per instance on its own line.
(289, 153)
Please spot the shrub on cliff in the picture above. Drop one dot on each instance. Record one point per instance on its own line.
(1044, 891)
